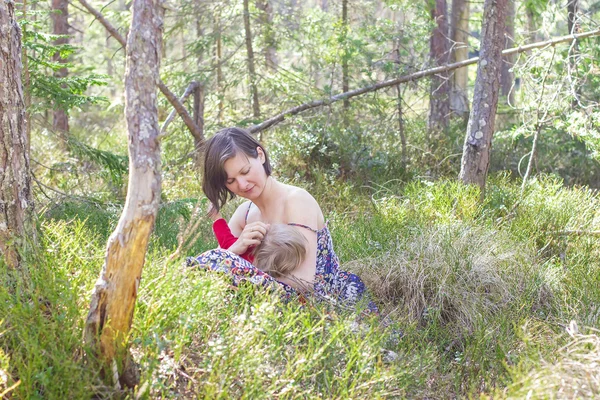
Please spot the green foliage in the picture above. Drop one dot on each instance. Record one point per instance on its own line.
(48, 90)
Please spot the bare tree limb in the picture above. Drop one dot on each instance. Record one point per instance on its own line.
(177, 105)
(412, 77)
(188, 91)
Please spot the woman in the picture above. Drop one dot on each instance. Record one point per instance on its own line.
(236, 164)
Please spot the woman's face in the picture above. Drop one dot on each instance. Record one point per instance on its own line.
(246, 176)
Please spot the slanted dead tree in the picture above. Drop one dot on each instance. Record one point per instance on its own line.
(480, 129)
(113, 300)
(16, 202)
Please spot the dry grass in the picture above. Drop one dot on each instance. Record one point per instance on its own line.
(457, 273)
(574, 375)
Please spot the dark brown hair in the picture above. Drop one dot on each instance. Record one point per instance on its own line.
(282, 249)
(224, 145)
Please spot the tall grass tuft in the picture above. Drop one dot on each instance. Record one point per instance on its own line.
(575, 374)
(457, 273)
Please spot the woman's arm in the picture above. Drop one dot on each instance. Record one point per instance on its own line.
(248, 234)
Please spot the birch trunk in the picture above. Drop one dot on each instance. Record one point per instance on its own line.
(16, 204)
(113, 301)
(480, 129)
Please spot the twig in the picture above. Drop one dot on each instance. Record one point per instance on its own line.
(408, 78)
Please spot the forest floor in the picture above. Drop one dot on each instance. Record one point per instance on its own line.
(498, 299)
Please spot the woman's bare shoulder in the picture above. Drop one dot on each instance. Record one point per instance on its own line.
(300, 206)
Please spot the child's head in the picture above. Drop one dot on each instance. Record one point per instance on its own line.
(282, 249)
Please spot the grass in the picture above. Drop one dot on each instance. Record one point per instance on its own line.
(482, 293)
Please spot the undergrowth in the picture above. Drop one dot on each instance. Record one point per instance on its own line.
(476, 299)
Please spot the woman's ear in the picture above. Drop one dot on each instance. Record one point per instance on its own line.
(261, 154)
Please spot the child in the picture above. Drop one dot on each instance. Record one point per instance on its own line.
(282, 249)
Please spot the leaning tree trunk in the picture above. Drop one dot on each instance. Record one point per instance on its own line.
(60, 26)
(113, 300)
(439, 100)
(480, 129)
(16, 204)
(251, 70)
(507, 77)
(459, 32)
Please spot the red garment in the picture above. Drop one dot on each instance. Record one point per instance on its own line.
(226, 238)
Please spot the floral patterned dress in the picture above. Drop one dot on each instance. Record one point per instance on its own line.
(330, 283)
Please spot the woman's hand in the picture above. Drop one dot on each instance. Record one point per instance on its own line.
(252, 235)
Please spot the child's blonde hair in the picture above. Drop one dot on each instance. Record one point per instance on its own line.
(282, 249)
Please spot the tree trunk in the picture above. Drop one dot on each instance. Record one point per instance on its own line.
(251, 70)
(60, 26)
(459, 27)
(507, 77)
(573, 26)
(115, 293)
(218, 58)
(439, 100)
(16, 202)
(345, 79)
(531, 24)
(199, 120)
(266, 18)
(27, 78)
(480, 129)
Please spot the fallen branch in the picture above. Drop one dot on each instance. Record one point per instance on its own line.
(181, 110)
(408, 78)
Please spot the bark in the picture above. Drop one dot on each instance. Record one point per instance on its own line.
(439, 50)
(218, 60)
(266, 18)
(459, 32)
(531, 24)
(345, 79)
(573, 26)
(507, 77)
(16, 202)
(115, 293)
(60, 26)
(480, 129)
(27, 78)
(400, 112)
(251, 70)
(199, 120)
(409, 78)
